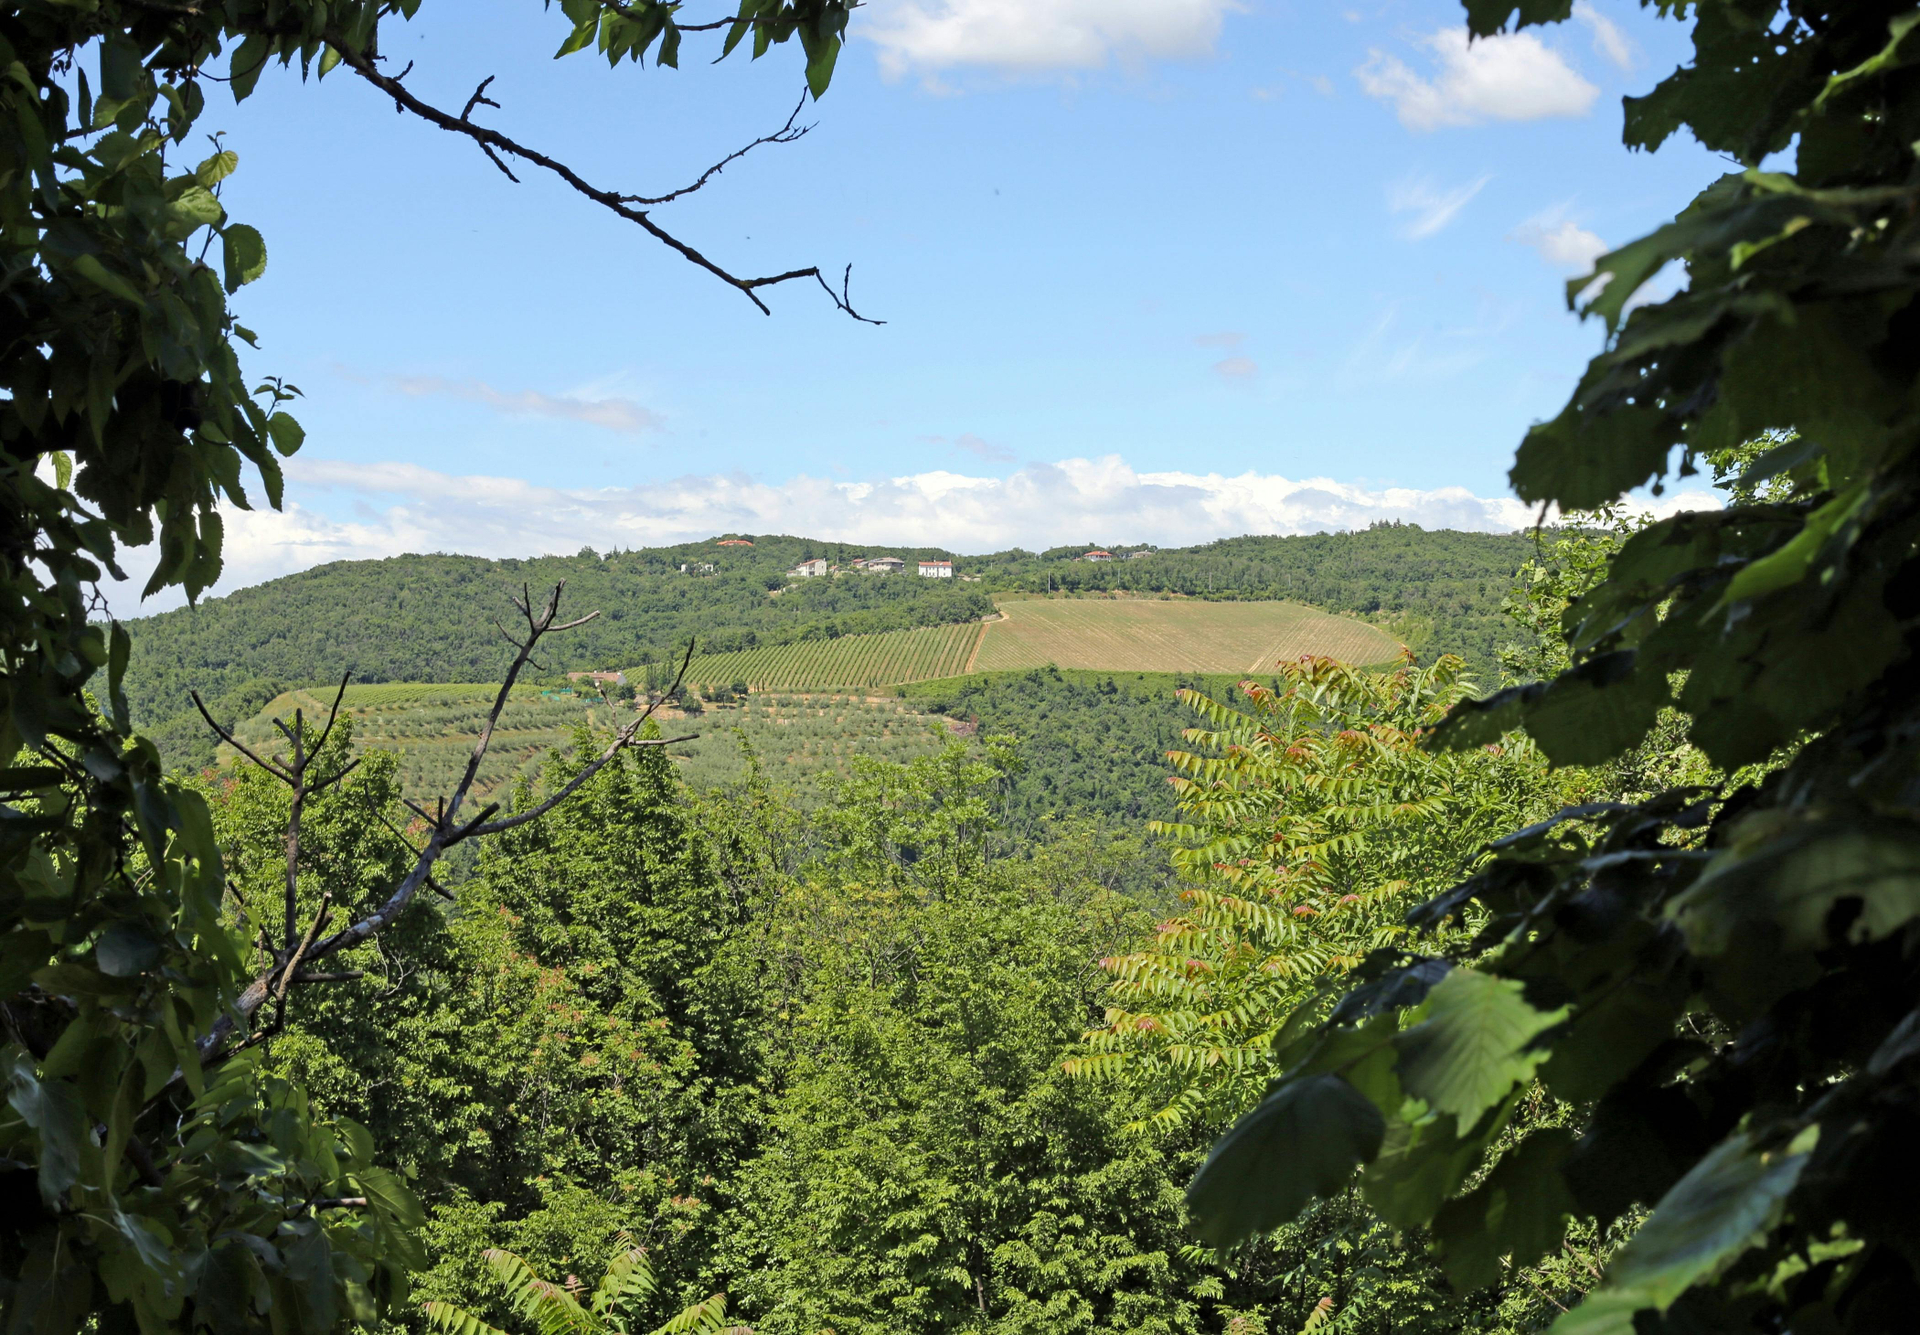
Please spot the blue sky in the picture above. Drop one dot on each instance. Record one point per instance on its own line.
(1152, 270)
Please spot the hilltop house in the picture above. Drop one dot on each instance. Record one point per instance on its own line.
(809, 569)
(936, 570)
(1097, 555)
(733, 542)
(885, 565)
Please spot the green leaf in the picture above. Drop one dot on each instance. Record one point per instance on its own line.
(1472, 1048)
(217, 168)
(126, 949)
(62, 469)
(1789, 563)
(243, 254)
(196, 207)
(90, 268)
(1787, 883)
(1725, 1205)
(53, 1110)
(286, 433)
(1303, 1141)
(1518, 1214)
(1596, 711)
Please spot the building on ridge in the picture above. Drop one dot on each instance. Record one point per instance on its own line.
(733, 542)
(811, 569)
(936, 570)
(1097, 555)
(885, 565)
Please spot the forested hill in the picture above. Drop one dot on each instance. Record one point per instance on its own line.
(431, 618)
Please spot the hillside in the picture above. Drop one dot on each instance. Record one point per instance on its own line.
(1165, 635)
(430, 618)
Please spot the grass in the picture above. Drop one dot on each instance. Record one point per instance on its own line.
(851, 662)
(1171, 635)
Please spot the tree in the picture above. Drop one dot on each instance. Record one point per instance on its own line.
(1719, 978)
(141, 1186)
(556, 1309)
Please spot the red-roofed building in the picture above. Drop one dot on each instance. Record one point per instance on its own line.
(936, 570)
(1097, 555)
(733, 542)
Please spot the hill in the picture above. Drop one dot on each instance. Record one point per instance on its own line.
(1166, 635)
(430, 618)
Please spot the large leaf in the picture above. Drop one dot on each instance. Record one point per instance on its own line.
(1805, 885)
(1473, 1046)
(1303, 1141)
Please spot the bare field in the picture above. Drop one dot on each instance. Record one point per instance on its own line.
(1175, 635)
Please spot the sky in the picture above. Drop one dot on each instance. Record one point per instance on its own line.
(1150, 270)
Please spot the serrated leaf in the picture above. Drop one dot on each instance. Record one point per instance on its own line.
(1472, 1048)
(217, 168)
(1303, 1141)
(286, 433)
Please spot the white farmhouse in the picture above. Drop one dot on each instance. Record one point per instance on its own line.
(936, 570)
(809, 569)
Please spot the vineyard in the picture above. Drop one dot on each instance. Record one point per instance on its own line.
(850, 662)
(798, 737)
(1171, 635)
(432, 728)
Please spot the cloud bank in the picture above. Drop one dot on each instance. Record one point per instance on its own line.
(398, 508)
(1510, 77)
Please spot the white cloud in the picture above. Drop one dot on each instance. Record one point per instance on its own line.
(1237, 368)
(1029, 36)
(397, 508)
(401, 508)
(1431, 206)
(1561, 241)
(1608, 40)
(1508, 77)
(614, 414)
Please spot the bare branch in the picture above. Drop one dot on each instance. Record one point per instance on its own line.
(276, 770)
(786, 134)
(495, 142)
(306, 943)
(334, 778)
(333, 715)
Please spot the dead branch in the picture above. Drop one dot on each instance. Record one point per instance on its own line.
(445, 829)
(494, 143)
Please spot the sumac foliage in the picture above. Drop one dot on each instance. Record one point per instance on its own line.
(1720, 978)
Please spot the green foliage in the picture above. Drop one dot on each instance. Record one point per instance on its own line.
(1715, 969)
(152, 1176)
(556, 1309)
(1310, 822)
